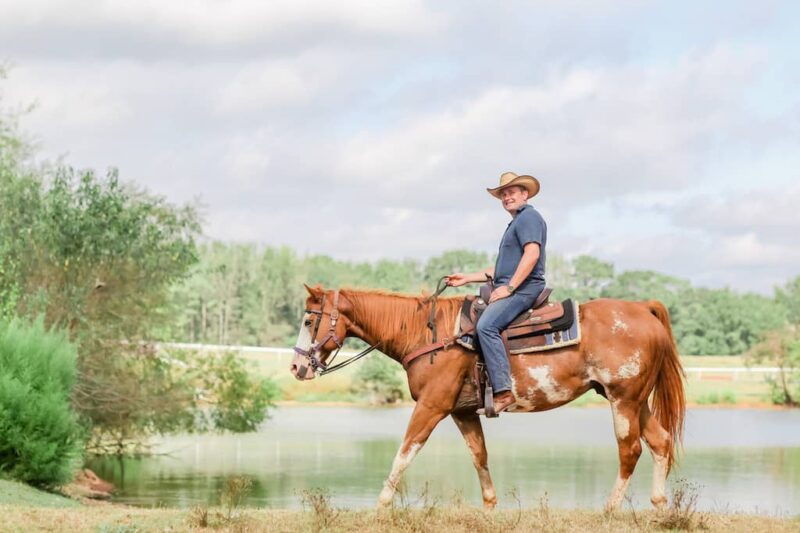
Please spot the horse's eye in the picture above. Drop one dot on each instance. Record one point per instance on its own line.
(308, 322)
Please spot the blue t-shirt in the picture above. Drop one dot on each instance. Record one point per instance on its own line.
(527, 226)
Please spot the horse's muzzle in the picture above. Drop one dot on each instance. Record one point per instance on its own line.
(301, 368)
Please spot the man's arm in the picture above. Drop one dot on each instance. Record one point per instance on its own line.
(530, 255)
(457, 279)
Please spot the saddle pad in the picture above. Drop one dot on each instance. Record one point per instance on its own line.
(564, 331)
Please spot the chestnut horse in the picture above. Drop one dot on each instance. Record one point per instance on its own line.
(626, 353)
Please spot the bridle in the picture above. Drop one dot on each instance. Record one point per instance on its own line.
(317, 365)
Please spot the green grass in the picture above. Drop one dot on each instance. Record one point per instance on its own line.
(15, 493)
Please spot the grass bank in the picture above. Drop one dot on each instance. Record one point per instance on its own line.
(16, 493)
(23, 508)
(118, 519)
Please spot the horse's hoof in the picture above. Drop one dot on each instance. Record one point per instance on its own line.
(659, 503)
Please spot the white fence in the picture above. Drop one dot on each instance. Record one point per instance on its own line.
(284, 355)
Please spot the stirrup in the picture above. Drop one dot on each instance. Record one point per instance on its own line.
(488, 404)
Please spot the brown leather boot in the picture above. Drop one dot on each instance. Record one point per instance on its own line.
(502, 402)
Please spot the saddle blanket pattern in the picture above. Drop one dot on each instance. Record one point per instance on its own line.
(537, 343)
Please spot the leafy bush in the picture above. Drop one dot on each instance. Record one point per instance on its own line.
(40, 437)
(381, 378)
(179, 390)
(241, 398)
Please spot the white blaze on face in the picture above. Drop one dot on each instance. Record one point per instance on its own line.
(304, 340)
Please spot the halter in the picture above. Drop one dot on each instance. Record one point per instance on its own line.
(317, 365)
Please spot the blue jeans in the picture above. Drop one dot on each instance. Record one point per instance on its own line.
(492, 322)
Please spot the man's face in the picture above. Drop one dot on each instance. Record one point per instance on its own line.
(513, 198)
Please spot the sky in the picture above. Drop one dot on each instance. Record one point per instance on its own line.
(665, 134)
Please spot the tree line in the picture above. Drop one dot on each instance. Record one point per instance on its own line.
(247, 294)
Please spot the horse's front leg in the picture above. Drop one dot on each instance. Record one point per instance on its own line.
(423, 420)
(469, 424)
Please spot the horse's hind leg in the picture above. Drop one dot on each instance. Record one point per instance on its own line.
(422, 422)
(658, 440)
(471, 429)
(626, 429)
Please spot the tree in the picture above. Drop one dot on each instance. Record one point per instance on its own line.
(591, 276)
(781, 348)
(647, 285)
(455, 261)
(719, 321)
(788, 296)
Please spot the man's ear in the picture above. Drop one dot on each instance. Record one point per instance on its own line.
(315, 292)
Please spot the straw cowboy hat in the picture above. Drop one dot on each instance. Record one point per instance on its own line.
(507, 179)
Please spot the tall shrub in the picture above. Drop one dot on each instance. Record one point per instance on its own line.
(40, 438)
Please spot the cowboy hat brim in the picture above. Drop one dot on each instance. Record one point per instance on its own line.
(528, 182)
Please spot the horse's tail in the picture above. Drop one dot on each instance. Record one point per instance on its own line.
(669, 401)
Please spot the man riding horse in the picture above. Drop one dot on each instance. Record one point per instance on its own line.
(624, 351)
(518, 279)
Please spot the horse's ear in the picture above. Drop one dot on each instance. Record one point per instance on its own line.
(315, 292)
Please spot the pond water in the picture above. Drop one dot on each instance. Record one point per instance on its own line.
(739, 460)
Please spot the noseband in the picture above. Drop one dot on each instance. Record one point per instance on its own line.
(317, 365)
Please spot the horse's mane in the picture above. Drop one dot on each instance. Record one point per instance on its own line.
(401, 320)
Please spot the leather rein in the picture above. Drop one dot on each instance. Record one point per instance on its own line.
(317, 365)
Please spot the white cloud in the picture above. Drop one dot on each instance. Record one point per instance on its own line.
(586, 133)
(63, 97)
(278, 85)
(770, 214)
(247, 160)
(212, 22)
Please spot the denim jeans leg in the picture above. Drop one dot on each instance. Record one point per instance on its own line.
(492, 322)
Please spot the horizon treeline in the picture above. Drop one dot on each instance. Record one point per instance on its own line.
(253, 295)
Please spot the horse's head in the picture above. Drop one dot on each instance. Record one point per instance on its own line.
(322, 331)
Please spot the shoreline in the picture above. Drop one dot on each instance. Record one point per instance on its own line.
(762, 406)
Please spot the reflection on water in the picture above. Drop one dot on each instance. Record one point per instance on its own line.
(744, 460)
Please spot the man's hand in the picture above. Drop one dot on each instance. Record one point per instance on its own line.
(499, 293)
(456, 280)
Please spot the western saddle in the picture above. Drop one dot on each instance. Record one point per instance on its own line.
(546, 325)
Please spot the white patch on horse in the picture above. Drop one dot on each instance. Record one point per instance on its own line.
(660, 467)
(617, 493)
(401, 462)
(523, 400)
(546, 384)
(304, 340)
(619, 324)
(631, 367)
(622, 425)
(602, 375)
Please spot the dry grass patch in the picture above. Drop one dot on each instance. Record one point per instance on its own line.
(113, 518)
